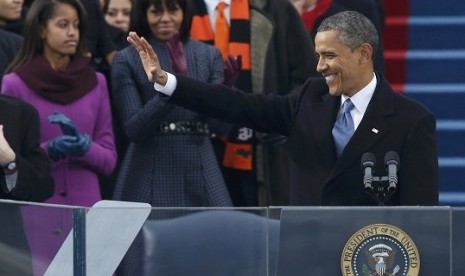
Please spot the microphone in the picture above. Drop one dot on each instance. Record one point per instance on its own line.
(368, 166)
(391, 160)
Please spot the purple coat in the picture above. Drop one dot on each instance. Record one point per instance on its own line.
(76, 178)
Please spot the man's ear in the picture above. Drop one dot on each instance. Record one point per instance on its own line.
(366, 52)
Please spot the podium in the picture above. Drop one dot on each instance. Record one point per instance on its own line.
(458, 241)
(363, 241)
(259, 241)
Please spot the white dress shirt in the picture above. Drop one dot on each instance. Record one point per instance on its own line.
(169, 87)
(361, 99)
(11, 181)
(211, 9)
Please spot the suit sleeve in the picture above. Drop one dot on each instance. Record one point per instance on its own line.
(34, 182)
(419, 165)
(265, 113)
(217, 127)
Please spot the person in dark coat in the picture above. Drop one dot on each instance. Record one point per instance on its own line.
(170, 160)
(10, 29)
(9, 47)
(24, 176)
(99, 43)
(381, 121)
(118, 17)
(11, 16)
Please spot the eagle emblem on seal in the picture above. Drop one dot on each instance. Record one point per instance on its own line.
(380, 259)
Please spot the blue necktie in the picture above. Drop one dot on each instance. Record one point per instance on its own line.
(344, 127)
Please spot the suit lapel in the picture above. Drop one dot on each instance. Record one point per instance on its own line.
(371, 129)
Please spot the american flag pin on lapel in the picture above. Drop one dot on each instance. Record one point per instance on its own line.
(374, 130)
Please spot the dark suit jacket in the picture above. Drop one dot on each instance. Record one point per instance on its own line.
(34, 183)
(9, 46)
(392, 122)
(21, 129)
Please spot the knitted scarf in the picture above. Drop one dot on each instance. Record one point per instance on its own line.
(239, 40)
(238, 154)
(59, 87)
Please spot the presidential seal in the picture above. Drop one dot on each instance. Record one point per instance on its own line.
(380, 250)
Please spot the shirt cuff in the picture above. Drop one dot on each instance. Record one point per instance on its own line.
(169, 87)
(11, 181)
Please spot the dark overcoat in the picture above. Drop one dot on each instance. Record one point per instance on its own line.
(392, 122)
(34, 183)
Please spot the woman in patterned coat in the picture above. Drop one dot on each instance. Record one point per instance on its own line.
(170, 161)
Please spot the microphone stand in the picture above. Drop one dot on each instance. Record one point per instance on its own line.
(380, 189)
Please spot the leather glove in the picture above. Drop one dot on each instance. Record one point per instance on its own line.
(68, 127)
(66, 145)
(178, 58)
(232, 69)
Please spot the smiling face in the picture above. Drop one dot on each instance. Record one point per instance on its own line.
(61, 32)
(164, 22)
(10, 10)
(346, 71)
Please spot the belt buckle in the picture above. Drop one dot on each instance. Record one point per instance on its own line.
(184, 127)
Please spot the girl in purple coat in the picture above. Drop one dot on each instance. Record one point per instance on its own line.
(52, 73)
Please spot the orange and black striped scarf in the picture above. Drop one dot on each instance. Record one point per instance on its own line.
(238, 153)
(239, 39)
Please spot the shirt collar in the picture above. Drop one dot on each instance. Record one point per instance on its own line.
(214, 3)
(362, 98)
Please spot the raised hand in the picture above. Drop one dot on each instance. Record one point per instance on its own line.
(148, 58)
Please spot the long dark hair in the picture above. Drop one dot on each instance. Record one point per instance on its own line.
(37, 16)
(139, 22)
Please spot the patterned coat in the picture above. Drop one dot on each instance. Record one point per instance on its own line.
(165, 170)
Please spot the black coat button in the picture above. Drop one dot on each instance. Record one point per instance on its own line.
(57, 231)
